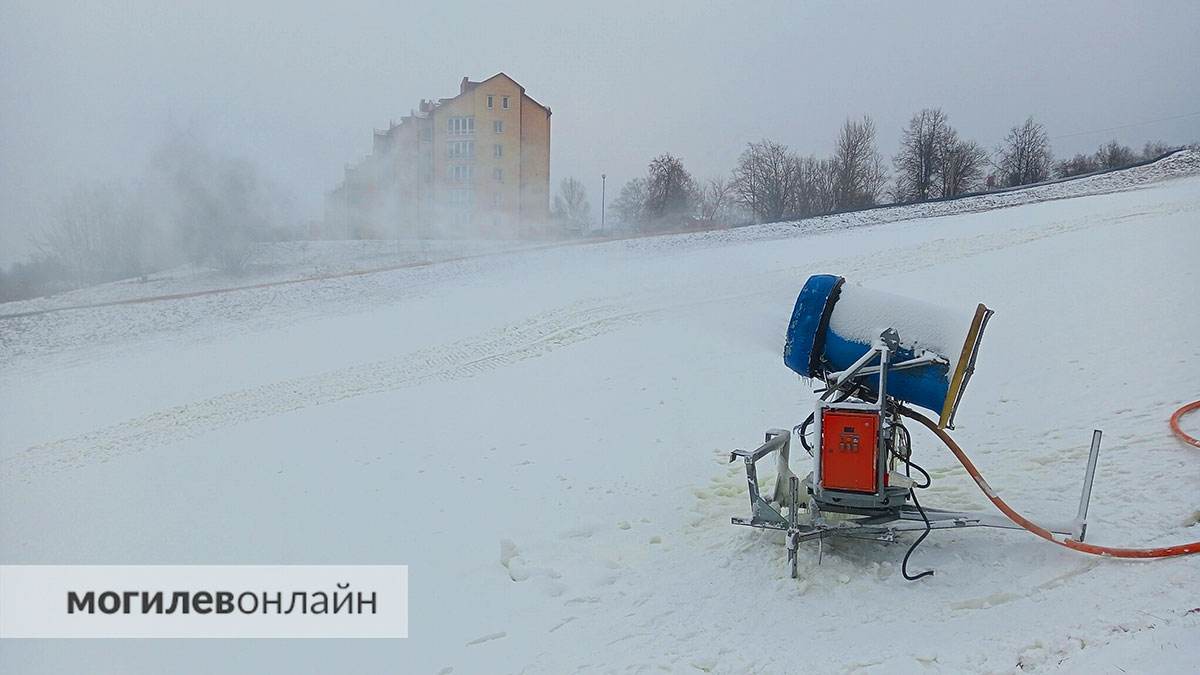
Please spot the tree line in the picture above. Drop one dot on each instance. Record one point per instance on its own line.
(191, 205)
(1111, 155)
(772, 183)
(196, 205)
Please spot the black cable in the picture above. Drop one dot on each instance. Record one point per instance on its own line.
(928, 480)
(803, 433)
(803, 428)
(906, 444)
(908, 463)
(906, 457)
(915, 544)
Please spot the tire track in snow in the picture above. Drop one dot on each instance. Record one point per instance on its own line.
(509, 345)
(506, 346)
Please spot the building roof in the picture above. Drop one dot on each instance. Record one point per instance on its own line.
(467, 85)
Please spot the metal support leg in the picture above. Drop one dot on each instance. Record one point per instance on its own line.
(1086, 497)
(793, 520)
(762, 513)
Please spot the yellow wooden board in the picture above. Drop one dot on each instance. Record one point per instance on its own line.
(966, 366)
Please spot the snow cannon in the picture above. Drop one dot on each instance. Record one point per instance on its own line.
(835, 324)
(877, 355)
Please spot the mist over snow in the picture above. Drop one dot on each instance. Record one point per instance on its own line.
(555, 470)
(89, 90)
(220, 345)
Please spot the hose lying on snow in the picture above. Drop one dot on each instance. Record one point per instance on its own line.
(1162, 552)
(1194, 405)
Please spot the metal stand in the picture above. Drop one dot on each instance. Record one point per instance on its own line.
(881, 527)
(762, 514)
(1084, 499)
(875, 522)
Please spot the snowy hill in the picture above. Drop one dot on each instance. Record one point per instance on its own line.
(542, 437)
(284, 263)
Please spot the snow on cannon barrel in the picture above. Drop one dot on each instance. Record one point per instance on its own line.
(834, 324)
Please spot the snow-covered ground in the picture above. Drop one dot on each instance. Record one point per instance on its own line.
(542, 437)
(274, 263)
(289, 262)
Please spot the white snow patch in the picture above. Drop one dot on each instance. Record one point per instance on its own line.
(537, 400)
(862, 314)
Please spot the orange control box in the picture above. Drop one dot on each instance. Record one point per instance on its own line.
(849, 450)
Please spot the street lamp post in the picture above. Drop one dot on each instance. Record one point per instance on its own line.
(603, 184)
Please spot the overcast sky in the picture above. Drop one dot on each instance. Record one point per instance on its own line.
(87, 90)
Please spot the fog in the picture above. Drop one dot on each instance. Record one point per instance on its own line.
(88, 92)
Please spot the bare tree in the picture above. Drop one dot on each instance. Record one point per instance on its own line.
(963, 164)
(823, 179)
(933, 161)
(858, 170)
(630, 204)
(1076, 166)
(571, 208)
(766, 180)
(1154, 149)
(919, 163)
(1025, 155)
(814, 190)
(213, 208)
(671, 192)
(75, 234)
(1113, 155)
(40, 275)
(97, 234)
(716, 198)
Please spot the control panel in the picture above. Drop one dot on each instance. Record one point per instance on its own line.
(849, 450)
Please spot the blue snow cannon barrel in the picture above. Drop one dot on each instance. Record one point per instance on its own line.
(834, 324)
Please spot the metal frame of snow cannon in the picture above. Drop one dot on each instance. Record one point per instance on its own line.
(875, 516)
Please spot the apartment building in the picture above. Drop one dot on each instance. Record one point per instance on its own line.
(474, 165)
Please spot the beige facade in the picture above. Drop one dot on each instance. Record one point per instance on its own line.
(476, 164)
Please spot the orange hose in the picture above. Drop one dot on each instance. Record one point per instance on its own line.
(1162, 552)
(1194, 405)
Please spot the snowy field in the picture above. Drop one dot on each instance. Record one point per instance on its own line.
(542, 437)
(289, 262)
(274, 263)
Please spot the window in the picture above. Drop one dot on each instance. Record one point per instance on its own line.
(498, 174)
(459, 172)
(460, 149)
(496, 199)
(504, 102)
(491, 102)
(498, 126)
(498, 150)
(460, 126)
(459, 197)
